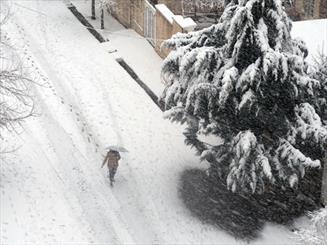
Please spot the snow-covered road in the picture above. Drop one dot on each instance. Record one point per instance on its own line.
(53, 189)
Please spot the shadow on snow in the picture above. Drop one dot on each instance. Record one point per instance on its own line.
(242, 217)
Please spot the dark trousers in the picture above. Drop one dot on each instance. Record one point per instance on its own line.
(112, 172)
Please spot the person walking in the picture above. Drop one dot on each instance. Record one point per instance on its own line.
(111, 160)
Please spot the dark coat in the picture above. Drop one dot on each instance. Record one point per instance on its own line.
(112, 159)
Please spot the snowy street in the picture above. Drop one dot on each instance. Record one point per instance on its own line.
(53, 190)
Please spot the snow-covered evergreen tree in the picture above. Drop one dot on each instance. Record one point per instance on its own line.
(315, 233)
(320, 73)
(245, 80)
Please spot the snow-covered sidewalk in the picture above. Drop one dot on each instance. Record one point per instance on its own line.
(142, 58)
(53, 190)
(129, 45)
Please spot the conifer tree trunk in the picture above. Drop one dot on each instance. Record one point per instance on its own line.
(324, 183)
(195, 9)
(93, 10)
(102, 19)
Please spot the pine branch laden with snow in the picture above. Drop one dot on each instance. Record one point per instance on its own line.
(320, 73)
(315, 233)
(245, 80)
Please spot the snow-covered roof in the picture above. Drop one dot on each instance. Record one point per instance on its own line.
(185, 23)
(313, 33)
(165, 11)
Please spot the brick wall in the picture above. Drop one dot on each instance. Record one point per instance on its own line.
(163, 31)
(167, 25)
(130, 13)
(122, 12)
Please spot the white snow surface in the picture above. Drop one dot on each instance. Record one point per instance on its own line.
(52, 188)
(129, 45)
(314, 34)
(187, 24)
(166, 12)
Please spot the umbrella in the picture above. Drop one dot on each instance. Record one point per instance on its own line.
(117, 148)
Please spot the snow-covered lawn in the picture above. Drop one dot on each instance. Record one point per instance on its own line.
(53, 189)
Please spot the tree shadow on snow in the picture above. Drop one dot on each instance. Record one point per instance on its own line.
(243, 217)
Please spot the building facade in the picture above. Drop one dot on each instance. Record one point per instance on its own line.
(307, 9)
(158, 20)
(152, 19)
(298, 10)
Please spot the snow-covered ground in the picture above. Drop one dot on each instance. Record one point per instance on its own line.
(52, 188)
(129, 45)
(141, 56)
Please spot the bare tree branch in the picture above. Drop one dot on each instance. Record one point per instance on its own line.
(16, 100)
